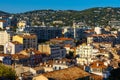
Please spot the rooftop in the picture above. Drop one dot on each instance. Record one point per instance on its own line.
(27, 36)
(71, 73)
(2, 21)
(62, 38)
(98, 64)
(15, 42)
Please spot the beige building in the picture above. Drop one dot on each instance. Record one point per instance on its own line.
(55, 51)
(62, 41)
(28, 40)
(5, 36)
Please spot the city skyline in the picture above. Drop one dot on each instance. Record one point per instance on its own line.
(18, 6)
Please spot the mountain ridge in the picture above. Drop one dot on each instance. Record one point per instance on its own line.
(92, 16)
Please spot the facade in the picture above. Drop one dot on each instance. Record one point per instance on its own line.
(28, 40)
(98, 67)
(104, 38)
(55, 51)
(5, 36)
(13, 47)
(72, 32)
(61, 64)
(85, 54)
(62, 41)
(85, 51)
(2, 24)
(5, 22)
(21, 24)
(98, 30)
(44, 33)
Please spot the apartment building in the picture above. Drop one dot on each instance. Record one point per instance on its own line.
(55, 51)
(5, 36)
(28, 40)
(104, 38)
(44, 33)
(5, 22)
(84, 54)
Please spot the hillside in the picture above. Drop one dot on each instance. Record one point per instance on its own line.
(92, 17)
(2, 13)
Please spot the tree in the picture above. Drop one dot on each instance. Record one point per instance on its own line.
(70, 55)
(115, 73)
(7, 72)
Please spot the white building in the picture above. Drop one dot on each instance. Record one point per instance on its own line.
(85, 51)
(85, 54)
(98, 30)
(60, 64)
(13, 47)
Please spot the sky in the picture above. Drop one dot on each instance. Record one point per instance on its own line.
(18, 6)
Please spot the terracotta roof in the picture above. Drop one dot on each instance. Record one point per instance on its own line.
(27, 36)
(97, 64)
(25, 52)
(38, 68)
(15, 42)
(2, 21)
(4, 54)
(88, 31)
(71, 73)
(18, 56)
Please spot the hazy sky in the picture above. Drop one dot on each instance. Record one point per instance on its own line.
(17, 6)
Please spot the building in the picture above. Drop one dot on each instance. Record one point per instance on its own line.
(98, 30)
(21, 24)
(104, 38)
(54, 51)
(4, 22)
(98, 67)
(72, 32)
(84, 54)
(6, 36)
(13, 47)
(14, 58)
(28, 40)
(44, 33)
(62, 41)
(72, 73)
(57, 22)
(114, 23)
(61, 64)
(35, 56)
(85, 51)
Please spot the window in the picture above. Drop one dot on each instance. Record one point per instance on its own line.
(59, 68)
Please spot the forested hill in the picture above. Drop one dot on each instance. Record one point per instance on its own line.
(92, 16)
